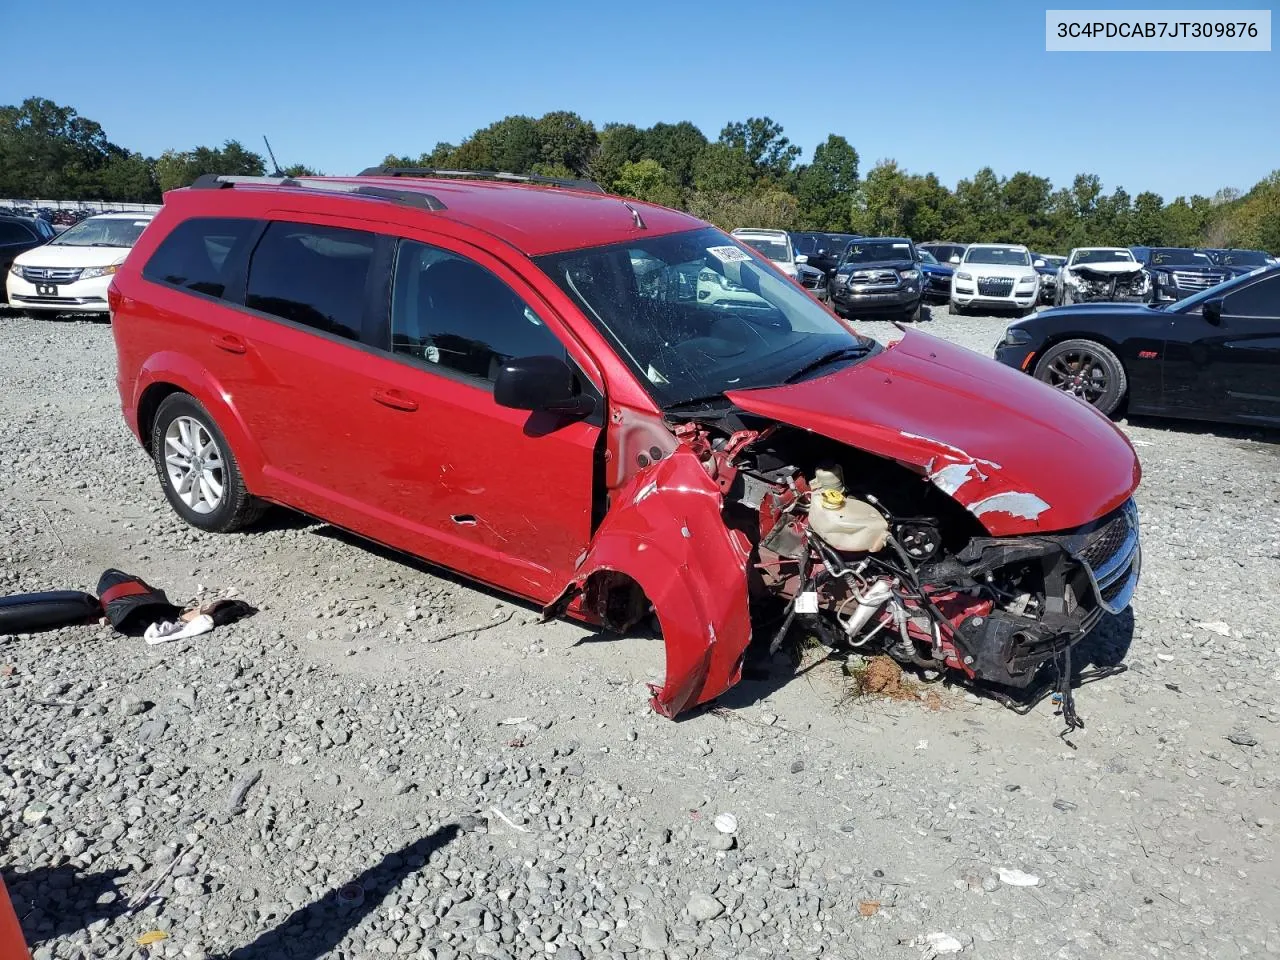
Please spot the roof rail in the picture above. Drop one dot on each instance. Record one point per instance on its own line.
(590, 186)
(409, 198)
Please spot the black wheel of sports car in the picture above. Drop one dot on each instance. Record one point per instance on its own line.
(1086, 369)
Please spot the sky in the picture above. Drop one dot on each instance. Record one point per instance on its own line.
(947, 88)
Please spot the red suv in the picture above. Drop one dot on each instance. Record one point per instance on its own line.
(614, 409)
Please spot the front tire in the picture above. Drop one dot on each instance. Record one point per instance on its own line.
(912, 315)
(1086, 369)
(955, 308)
(197, 470)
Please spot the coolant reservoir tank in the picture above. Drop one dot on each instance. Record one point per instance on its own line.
(848, 524)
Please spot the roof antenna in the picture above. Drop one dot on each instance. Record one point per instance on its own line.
(635, 215)
(276, 167)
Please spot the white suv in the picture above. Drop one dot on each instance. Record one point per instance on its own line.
(995, 275)
(71, 273)
(774, 244)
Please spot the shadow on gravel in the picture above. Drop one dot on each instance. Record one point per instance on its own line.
(313, 931)
(54, 902)
(1098, 656)
(1205, 428)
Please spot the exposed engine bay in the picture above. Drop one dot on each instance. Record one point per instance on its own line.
(873, 557)
(1091, 285)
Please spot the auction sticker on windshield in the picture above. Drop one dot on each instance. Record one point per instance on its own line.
(729, 254)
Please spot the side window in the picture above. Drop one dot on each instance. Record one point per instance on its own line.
(13, 233)
(197, 254)
(451, 312)
(312, 275)
(1261, 299)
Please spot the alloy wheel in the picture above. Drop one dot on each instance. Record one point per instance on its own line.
(1079, 372)
(194, 465)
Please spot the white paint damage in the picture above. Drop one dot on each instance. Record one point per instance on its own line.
(952, 477)
(1026, 506)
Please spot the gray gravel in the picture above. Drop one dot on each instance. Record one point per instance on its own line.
(325, 779)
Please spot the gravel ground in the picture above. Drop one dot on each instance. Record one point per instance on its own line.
(361, 770)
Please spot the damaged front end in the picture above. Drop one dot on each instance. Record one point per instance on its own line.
(1092, 285)
(824, 503)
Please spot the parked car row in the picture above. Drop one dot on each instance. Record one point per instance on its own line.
(67, 272)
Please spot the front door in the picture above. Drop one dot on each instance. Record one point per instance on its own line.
(503, 495)
(1229, 369)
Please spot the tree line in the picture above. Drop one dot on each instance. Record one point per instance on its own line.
(751, 174)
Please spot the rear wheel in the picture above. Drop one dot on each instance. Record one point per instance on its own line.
(197, 469)
(1086, 369)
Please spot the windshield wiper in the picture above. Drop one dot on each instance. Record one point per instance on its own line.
(844, 353)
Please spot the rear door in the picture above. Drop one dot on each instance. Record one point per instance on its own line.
(503, 495)
(15, 239)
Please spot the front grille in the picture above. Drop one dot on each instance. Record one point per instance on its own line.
(1113, 590)
(995, 286)
(1197, 281)
(873, 278)
(51, 274)
(1104, 542)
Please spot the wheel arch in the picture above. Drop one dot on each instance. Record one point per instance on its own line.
(164, 375)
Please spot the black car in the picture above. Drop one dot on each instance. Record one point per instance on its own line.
(20, 234)
(821, 250)
(1240, 262)
(878, 275)
(1212, 356)
(1178, 272)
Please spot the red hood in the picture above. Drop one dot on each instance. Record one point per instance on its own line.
(1021, 456)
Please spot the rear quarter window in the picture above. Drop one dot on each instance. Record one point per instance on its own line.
(198, 254)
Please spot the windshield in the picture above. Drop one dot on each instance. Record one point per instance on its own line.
(1244, 258)
(107, 232)
(706, 315)
(1178, 257)
(927, 257)
(777, 250)
(876, 251)
(1103, 256)
(1004, 255)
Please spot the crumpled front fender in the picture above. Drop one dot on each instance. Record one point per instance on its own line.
(665, 531)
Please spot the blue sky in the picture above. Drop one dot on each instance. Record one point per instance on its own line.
(942, 87)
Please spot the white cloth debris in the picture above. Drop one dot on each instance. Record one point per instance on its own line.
(940, 944)
(1016, 878)
(165, 631)
(1218, 627)
(726, 823)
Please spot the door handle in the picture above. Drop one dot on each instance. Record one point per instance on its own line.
(395, 400)
(229, 342)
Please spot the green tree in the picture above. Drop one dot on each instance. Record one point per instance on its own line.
(179, 168)
(514, 143)
(647, 180)
(775, 209)
(566, 139)
(825, 187)
(677, 147)
(620, 143)
(722, 169)
(981, 207)
(48, 151)
(1147, 225)
(300, 170)
(128, 177)
(761, 140)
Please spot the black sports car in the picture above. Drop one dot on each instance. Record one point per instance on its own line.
(1214, 355)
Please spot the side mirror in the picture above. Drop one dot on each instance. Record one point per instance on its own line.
(802, 258)
(1038, 263)
(540, 383)
(1211, 310)
(954, 258)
